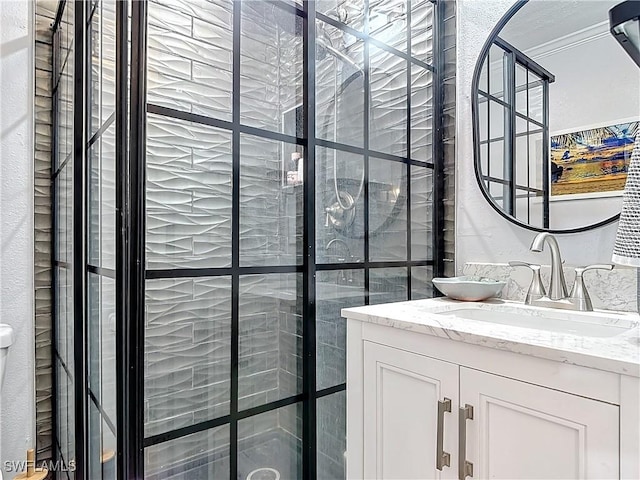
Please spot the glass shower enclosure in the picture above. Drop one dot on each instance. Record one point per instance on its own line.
(239, 171)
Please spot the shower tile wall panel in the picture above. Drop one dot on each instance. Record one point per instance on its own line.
(45, 11)
(421, 213)
(332, 436)
(421, 114)
(188, 194)
(187, 352)
(387, 210)
(271, 64)
(270, 341)
(270, 215)
(339, 87)
(170, 460)
(334, 290)
(388, 107)
(421, 286)
(387, 285)
(189, 56)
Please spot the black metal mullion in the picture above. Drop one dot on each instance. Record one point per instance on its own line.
(325, 392)
(235, 242)
(219, 421)
(309, 437)
(96, 136)
(103, 413)
(408, 167)
(331, 267)
(123, 415)
(281, 137)
(438, 146)
(528, 146)
(545, 154)
(79, 240)
(64, 366)
(260, 270)
(489, 97)
(54, 239)
(134, 243)
(365, 190)
(62, 165)
(102, 271)
(373, 153)
(222, 271)
(59, 14)
(510, 136)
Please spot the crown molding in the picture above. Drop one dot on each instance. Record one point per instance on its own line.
(579, 37)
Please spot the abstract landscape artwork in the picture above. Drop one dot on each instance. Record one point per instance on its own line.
(592, 161)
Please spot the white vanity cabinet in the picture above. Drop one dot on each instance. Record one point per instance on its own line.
(404, 396)
(521, 431)
(529, 418)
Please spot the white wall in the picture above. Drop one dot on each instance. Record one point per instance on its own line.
(482, 235)
(16, 224)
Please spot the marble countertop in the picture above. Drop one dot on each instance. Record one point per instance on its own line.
(618, 354)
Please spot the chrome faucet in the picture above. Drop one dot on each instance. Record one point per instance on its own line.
(557, 285)
(557, 298)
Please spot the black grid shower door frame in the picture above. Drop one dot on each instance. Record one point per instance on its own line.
(309, 267)
(140, 108)
(130, 273)
(77, 269)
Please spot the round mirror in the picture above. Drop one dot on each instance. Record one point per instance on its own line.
(556, 103)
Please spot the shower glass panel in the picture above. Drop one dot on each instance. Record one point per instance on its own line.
(253, 169)
(231, 141)
(63, 251)
(100, 155)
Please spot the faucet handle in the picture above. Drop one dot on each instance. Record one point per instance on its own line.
(518, 263)
(597, 266)
(579, 295)
(536, 289)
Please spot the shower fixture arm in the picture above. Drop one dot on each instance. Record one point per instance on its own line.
(337, 192)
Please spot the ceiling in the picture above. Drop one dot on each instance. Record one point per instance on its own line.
(542, 21)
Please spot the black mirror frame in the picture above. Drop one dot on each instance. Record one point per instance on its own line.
(476, 133)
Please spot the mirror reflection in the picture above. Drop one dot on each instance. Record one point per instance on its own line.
(555, 116)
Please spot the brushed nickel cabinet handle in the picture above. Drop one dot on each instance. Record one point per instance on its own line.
(465, 469)
(442, 458)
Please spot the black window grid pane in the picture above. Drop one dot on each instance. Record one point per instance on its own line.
(508, 199)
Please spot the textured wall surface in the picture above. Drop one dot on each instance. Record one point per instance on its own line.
(17, 414)
(609, 290)
(45, 11)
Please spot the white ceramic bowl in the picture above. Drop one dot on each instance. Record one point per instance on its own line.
(469, 289)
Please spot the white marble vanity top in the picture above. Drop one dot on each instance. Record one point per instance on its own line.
(436, 317)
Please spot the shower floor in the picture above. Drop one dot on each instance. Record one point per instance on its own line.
(277, 449)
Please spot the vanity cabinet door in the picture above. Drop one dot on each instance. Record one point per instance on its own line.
(524, 431)
(401, 392)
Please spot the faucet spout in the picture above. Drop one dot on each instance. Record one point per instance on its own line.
(558, 285)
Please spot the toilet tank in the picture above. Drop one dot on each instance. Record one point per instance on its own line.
(6, 339)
